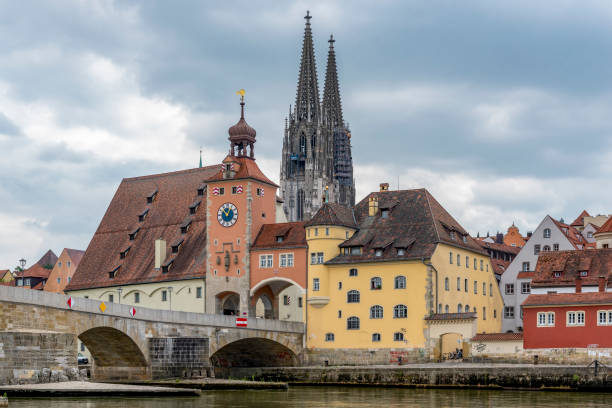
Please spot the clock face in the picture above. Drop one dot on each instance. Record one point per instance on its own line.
(227, 214)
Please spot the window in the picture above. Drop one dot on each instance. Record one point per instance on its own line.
(27, 282)
(346, 234)
(465, 285)
(484, 289)
(59, 264)
(400, 282)
(525, 287)
(546, 248)
(590, 234)
(484, 313)
(69, 279)
(584, 274)
(446, 309)
(378, 252)
(495, 313)
(59, 280)
(439, 307)
(452, 235)
(401, 252)
(376, 312)
(481, 265)
(266, 261)
(68, 264)
(475, 287)
(286, 260)
(352, 323)
(467, 261)
(280, 238)
(557, 274)
(604, 317)
(376, 283)
(384, 213)
(326, 230)
(286, 300)
(398, 336)
(315, 284)
(316, 232)
(199, 292)
(491, 289)
(464, 239)
(458, 260)
(376, 337)
(458, 284)
(260, 192)
(352, 296)
(329, 336)
(136, 297)
(459, 308)
(575, 318)
(320, 257)
(467, 309)
(536, 249)
(400, 312)
(164, 296)
(450, 258)
(82, 346)
(525, 266)
(316, 258)
(111, 298)
(509, 288)
(300, 302)
(546, 232)
(555, 247)
(339, 285)
(221, 190)
(475, 264)
(353, 272)
(508, 312)
(446, 284)
(355, 250)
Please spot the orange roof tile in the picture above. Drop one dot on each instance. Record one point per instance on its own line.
(606, 227)
(559, 299)
(293, 235)
(579, 221)
(569, 264)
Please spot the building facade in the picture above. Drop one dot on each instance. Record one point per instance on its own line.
(316, 164)
(603, 235)
(397, 273)
(36, 276)
(64, 270)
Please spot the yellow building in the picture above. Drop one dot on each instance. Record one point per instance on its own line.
(397, 277)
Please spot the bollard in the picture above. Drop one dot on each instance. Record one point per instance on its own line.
(535, 360)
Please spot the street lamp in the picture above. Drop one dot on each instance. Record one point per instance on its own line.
(22, 263)
(120, 290)
(170, 296)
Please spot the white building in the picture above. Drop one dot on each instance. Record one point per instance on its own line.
(515, 284)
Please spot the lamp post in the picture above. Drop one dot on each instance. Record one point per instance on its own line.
(170, 296)
(22, 263)
(120, 290)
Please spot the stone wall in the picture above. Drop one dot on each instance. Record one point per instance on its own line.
(373, 356)
(179, 357)
(35, 357)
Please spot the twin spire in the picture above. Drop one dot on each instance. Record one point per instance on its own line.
(307, 102)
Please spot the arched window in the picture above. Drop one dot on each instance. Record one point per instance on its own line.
(467, 308)
(376, 312)
(352, 323)
(450, 257)
(546, 248)
(459, 308)
(352, 296)
(400, 282)
(439, 307)
(458, 283)
(400, 311)
(398, 336)
(302, 144)
(546, 232)
(329, 337)
(446, 309)
(376, 337)
(375, 283)
(446, 284)
(353, 272)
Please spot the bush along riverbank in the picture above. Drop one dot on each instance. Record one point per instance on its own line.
(500, 376)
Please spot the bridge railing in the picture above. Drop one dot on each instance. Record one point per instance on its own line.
(58, 301)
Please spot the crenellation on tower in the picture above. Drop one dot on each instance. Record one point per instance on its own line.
(316, 163)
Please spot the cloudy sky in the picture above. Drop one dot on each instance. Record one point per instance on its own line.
(503, 110)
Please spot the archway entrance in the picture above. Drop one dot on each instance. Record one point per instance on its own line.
(115, 355)
(449, 343)
(278, 298)
(264, 308)
(228, 303)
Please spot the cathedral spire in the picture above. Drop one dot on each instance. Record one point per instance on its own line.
(307, 99)
(332, 106)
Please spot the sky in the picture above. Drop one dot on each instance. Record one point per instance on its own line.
(501, 109)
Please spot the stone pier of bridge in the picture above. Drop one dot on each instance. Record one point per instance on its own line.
(40, 330)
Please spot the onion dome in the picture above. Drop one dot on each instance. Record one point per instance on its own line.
(241, 135)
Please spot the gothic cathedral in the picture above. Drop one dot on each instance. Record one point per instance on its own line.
(317, 165)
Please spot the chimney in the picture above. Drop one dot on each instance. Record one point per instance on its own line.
(529, 234)
(602, 283)
(578, 284)
(373, 206)
(160, 252)
(499, 238)
(384, 187)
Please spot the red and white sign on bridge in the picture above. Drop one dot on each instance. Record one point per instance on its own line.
(241, 321)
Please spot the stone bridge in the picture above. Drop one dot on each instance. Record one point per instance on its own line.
(38, 329)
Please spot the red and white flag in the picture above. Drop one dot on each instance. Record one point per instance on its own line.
(70, 302)
(238, 189)
(132, 312)
(215, 191)
(241, 322)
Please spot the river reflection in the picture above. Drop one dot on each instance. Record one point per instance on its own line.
(339, 397)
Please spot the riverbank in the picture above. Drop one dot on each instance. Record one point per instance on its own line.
(442, 375)
(89, 389)
(210, 384)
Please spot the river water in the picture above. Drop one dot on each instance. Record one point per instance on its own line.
(338, 397)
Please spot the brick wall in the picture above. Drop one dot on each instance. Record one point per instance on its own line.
(179, 357)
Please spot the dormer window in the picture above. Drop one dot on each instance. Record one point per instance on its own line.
(201, 190)
(133, 234)
(384, 213)
(378, 252)
(557, 274)
(167, 266)
(124, 253)
(452, 235)
(194, 207)
(279, 238)
(151, 197)
(113, 274)
(185, 226)
(401, 251)
(355, 250)
(465, 239)
(584, 274)
(143, 215)
(176, 246)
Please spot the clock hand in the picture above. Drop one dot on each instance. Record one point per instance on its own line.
(226, 212)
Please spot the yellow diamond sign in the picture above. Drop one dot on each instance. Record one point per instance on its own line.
(102, 307)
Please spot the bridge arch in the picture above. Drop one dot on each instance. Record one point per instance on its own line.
(252, 352)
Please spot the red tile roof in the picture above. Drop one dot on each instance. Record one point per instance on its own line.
(499, 247)
(293, 236)
(248, 169)
(499, 265)
(559, 299)
(606, 227)
(525, 275)
(569, 264)
(498, 337)
(38, 270)
(333, 214)
(451, 316)
(579, 221)
(416, 222)
(176, 191)
(75, 255)
(572, 234)
(3, 272)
